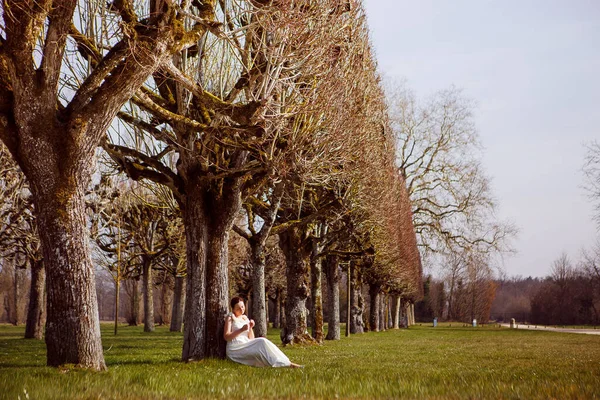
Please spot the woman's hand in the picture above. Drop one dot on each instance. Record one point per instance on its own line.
(244, 328)
(251, 324)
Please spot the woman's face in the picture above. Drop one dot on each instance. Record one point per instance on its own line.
(239, 308)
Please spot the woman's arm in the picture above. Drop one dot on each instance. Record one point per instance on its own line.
(250, 330)
(228, 334)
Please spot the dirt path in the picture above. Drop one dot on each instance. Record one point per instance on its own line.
(548, 328)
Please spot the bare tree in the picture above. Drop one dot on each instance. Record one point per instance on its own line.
(53, 134)
(438, 155)
(591, 170)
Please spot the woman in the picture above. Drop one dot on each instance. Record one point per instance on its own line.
(243, 348)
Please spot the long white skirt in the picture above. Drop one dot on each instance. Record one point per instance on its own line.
(259, 352)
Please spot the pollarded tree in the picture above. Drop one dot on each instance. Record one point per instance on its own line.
(238, 109)
(53, 134)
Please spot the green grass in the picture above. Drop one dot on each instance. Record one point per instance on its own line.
(421, 362)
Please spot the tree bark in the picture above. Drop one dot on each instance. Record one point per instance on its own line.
(34, 327)
(178, 302)
(217, 279)
(396, 311)
(15, 301)
(134, 303)
(259, 307)
(117, 297)
(148, 286)
(382, 312)
(374, 307)
(357, 302)
(194, 216)
(277, 301)
(332, 277)
(316, 294)
(72, 327)
(294, 248)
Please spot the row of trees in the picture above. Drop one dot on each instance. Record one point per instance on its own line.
(569, 295)
(263, 118)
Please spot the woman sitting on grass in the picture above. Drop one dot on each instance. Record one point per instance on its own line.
(243, 347)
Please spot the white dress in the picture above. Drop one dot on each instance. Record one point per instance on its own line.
(259, 352)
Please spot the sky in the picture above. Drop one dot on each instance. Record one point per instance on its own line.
(532, 68)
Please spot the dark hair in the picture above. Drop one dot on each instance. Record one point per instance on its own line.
(235, 300)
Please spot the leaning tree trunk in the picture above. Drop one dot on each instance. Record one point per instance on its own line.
(178, 302)
(356, 301)
(396, 311)
(332, 277)
(34, 327)
(374, 307)
(259, 306)
(148, 294)
(316, 294)
(295, 328)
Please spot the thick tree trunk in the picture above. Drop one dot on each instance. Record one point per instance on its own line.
(396, 311)
(316, 295)
(217, 280)
(72, 326)
(34, 327)
(332, 276)
(295, 327)
(259, 306)
(148, 286)
(196, 234)
(178, 302)
(356, 302)
(374, 307)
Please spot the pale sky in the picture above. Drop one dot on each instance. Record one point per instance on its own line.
(532, 67)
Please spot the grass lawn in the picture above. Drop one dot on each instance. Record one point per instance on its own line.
(421, 362)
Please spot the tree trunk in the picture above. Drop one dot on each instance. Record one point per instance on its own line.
(148, 286)
(72, 326)
(134, 303)
(217, 283)
(374, 307)
(396, 311)
(332, 277)
(259, 306)
(16, 288)
(178, 302)
(34, 327)
(382, 312)
(117, 292)
(277, 301)
(295, 328)
(196, 234)
(356, 301)
(316, 294)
